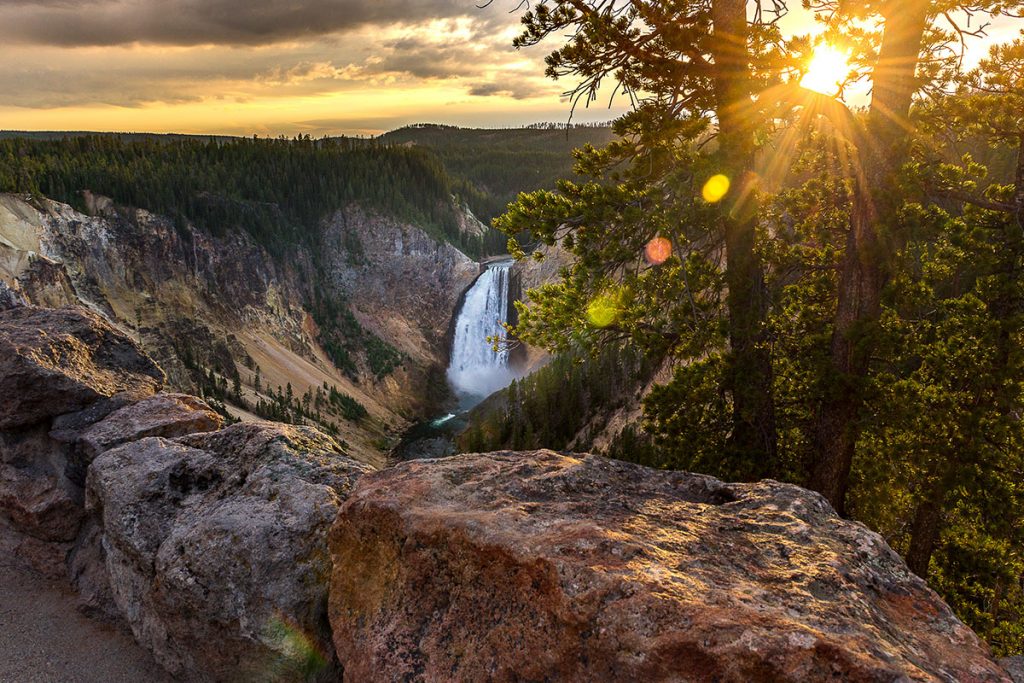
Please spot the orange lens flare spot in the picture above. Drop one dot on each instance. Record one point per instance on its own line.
(658, 251)
(716, 188)
(603, 311)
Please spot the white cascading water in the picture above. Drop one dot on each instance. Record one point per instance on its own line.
(476, 369)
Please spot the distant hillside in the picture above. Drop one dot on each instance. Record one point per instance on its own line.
(133, 137)
(498, 164)
(276, 190)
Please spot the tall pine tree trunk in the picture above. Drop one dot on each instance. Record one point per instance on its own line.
(1018, 196)
(863, 270)
(927, 526)
(754, 440)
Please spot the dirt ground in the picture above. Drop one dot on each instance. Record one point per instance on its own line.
(43, 639)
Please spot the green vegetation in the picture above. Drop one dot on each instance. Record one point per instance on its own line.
(350, 408)
(840, 293)
(276, 190)
(549, 408)
(279, 190)
(343, 338)
(495, 165)
(317, 406)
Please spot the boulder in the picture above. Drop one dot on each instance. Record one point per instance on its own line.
(54, 362)
(216, 547)
(90, 433)
(1015, 667)
(60, 371)
(167, 415)
(539, 566)
(42, 506)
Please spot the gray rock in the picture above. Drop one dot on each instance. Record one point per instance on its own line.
(39, 505)
(167, 415)
(1015, 667)
(86, 568)
(216, 547)
(54, 362)
(9, 298)
(67, 428)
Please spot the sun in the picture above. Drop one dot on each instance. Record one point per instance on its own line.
(827, 70)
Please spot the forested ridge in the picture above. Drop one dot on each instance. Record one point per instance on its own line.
(498, 164)
(277, 190)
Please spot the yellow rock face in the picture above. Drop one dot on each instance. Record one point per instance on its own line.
(20, 226)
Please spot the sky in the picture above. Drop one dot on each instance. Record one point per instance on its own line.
(273, 67)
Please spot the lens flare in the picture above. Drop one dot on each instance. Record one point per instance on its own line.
(603, 311)
(716, 188)
(826, 71)
(298, 655)
(658, 251)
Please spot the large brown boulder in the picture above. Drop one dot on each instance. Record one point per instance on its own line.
(216, 547)
(538, 566)
(54, 362)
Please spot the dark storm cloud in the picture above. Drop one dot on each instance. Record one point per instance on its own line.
(198, 22)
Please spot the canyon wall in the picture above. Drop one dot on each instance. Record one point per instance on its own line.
(200, 303)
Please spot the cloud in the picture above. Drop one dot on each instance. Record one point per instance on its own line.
(453, 54)
(520, 90)
(298, 62)
(218, 22)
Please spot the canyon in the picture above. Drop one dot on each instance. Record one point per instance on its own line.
(264, 551)
(224, 307)
(231, 547)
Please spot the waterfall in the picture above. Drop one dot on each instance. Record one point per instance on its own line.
(476, 369)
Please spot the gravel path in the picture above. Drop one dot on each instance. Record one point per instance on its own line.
(43, 639)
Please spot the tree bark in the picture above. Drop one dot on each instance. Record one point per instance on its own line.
(754, 440)
(1018, 195)
(863, 269)
(924, 535)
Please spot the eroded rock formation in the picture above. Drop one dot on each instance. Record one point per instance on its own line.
(209, 543)
(61, 371)
(54, 362)
(538, 566)
(198, 301)
(216, 546)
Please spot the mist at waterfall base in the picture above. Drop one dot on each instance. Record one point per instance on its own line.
(476, 370)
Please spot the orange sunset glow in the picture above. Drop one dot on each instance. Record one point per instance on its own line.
(324, 67)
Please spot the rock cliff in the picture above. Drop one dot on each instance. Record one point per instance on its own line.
(400, 281)
(211, 308)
